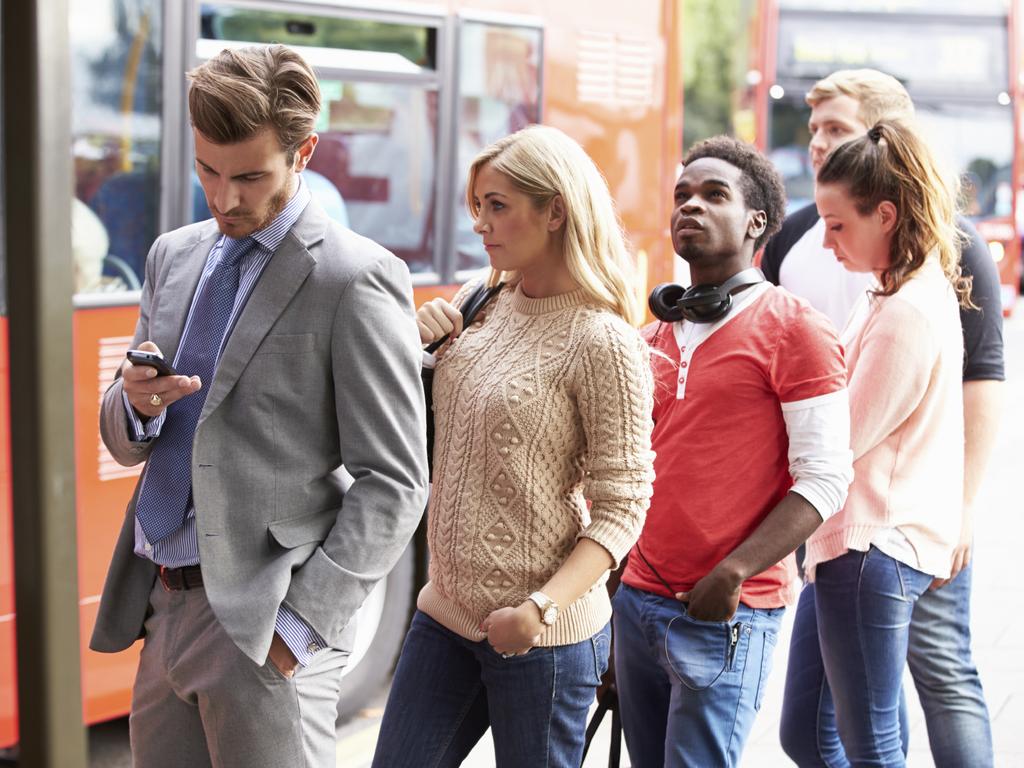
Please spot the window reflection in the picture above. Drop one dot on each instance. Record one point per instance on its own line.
(416, 44)
(975, 143)
(378, 144)
(116, 106)
(499, 77)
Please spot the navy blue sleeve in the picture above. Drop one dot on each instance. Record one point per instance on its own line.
(983, 327)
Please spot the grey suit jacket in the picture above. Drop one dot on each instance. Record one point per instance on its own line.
(322, 368)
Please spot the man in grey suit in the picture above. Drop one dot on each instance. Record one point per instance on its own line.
(296, 350)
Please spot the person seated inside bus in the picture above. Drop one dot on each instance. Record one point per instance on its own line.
(89, 245)
(127, 205)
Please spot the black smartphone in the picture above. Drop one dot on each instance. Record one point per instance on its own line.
(153, 360)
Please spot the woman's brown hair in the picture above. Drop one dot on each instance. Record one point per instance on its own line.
(242, 91)
(892, 163)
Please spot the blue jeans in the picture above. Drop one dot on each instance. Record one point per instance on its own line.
(447, 691)
(689, 689)
(852, 624)
(946, 679)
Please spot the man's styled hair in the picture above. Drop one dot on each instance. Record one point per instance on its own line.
(761, 186)
(242, 91)
(880, 96)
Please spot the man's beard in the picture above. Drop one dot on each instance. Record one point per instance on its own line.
(690, 251)
(275, 205)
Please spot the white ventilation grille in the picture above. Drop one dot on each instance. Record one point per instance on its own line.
(112, 350)
(615, 70)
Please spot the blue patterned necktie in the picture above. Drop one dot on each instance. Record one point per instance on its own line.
(167, 486)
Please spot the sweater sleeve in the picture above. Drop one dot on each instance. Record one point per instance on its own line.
(898, 351)
(430, 359)
(614, 395)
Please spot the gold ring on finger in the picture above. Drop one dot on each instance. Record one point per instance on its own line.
(155, 400)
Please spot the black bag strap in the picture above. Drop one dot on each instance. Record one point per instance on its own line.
(471, 306)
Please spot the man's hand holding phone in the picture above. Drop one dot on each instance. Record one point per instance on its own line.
(151, 384)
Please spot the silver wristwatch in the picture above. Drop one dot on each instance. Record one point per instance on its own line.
(548, 608)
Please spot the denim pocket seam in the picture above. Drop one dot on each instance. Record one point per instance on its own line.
(769, 642)
(672, 666)
(596, 642)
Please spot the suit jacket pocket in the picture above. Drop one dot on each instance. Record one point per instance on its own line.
(304, 529)
(286, 343)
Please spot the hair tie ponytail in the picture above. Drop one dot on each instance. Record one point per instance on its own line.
(875, 134)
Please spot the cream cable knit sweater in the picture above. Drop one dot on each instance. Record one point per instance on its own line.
(543, 404)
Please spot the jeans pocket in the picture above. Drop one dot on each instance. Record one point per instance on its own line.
(602, 643)
(767, 654)
(698, 652)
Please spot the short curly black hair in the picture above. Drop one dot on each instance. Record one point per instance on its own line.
(762, 186)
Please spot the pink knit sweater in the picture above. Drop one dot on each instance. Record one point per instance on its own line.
(905, 364)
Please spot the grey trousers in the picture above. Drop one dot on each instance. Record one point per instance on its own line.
(199, 701)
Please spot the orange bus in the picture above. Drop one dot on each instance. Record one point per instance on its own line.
(412, 90)
(957, 60)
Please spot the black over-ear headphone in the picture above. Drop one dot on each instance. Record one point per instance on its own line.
(699, 303)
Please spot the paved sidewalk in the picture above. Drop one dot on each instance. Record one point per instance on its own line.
(997, 622)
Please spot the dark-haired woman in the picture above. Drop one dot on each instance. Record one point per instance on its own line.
(888, 211)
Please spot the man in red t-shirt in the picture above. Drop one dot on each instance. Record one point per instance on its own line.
(751, 434)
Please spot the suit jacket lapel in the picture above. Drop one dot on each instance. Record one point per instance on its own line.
(281, 280)
(178, 289)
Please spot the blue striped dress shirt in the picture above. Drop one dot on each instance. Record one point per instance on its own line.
(181, 548)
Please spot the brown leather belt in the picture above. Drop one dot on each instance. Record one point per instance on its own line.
(177, 579)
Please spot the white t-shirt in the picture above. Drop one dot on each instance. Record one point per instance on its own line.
(811, 271)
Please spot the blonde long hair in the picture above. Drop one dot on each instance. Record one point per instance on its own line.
(542, 163)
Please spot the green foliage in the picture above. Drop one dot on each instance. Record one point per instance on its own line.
(715, 62)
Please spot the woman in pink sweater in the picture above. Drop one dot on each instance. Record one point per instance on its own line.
(887, 210)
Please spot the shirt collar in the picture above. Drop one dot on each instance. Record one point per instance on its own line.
(270, 236)
(693, 334)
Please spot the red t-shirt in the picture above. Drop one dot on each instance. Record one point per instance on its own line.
(720, 438)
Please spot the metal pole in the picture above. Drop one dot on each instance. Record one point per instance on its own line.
(37, 194)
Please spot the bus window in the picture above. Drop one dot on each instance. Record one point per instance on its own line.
(977, 141)
(499, 93)
(974, 61)
(116, 108)
(961, 99)
(374, 168)
(378, 144)
(788, 138)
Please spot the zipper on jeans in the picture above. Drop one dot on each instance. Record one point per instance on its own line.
(734, 640)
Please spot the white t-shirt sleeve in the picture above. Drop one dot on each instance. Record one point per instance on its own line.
(820, 459)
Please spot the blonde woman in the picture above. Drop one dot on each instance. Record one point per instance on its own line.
(540, 407)
(889, 212)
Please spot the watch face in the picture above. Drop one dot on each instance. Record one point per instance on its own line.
(550, 614)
